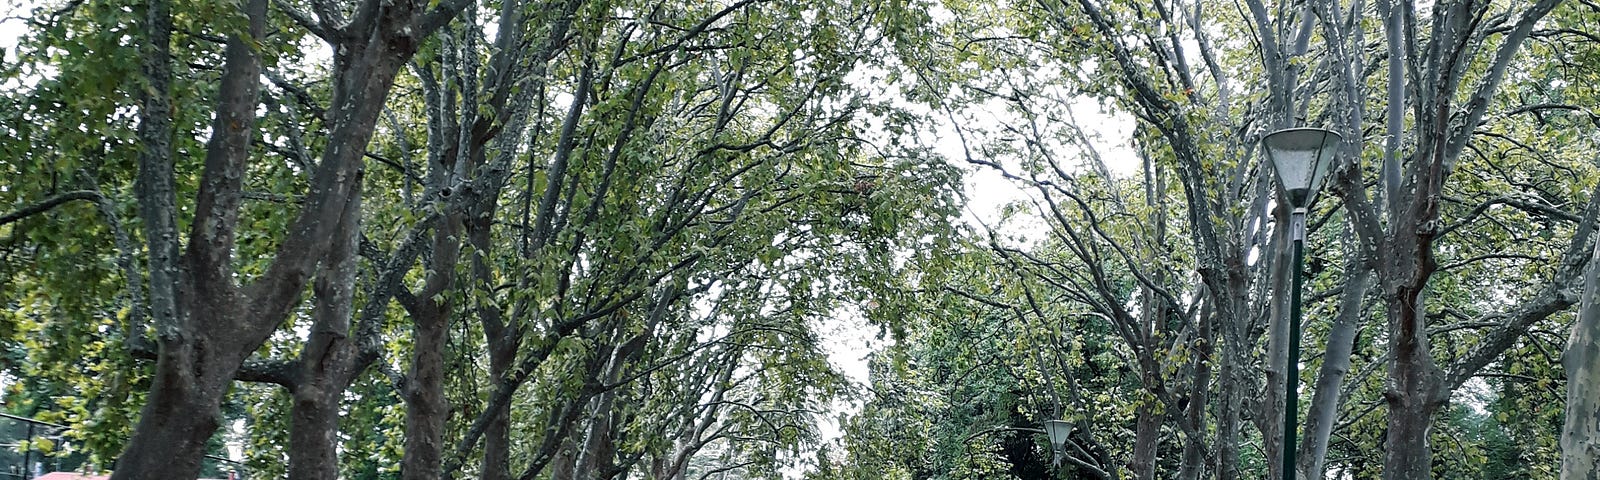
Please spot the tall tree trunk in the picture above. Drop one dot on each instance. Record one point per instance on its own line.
(1146, 437)
(197, 322)
(426, 407)
(1231, 387)
(497, 435)
(1580, 435)
(1325, 401)
(330, 360)
(313, 434)
(206, 323)
(597, 460)
(564, 466)
(180, 414)
(1194, 414)
(1267, 408)
(1412, 398)
(1417, 387)
(501, 339)
(1233, 377)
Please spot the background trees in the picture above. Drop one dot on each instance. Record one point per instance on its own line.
(603, 239)
(1015, 79)
(610, 192)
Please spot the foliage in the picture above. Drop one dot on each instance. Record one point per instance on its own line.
(609, 239)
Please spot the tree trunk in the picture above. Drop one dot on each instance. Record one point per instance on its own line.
(502, 341)
(330, 361)
(197, 322)
(1412, 397)
(313, 434)
(1194, 414)
(426, 408)
(1146, 436)
(1325, 401)
(598, 458)
(206, 322)
(565, 464)
(179, 417)
(1268, 407)
(1233, 319)
(497, 436)
(1580, 435)
(1230, 390)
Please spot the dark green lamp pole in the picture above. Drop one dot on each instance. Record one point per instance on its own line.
(1301, 157)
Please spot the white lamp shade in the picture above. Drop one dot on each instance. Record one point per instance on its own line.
(1058, 431)
(1301, 156)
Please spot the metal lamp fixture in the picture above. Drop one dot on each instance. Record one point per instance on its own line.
(1058, 430)
(1301, 156)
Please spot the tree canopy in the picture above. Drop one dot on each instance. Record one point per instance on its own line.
(578, 239)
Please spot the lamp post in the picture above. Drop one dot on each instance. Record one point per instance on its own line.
(1058, 430)
(1301, 157)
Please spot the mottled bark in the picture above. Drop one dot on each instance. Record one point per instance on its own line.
(199, 344)
(427, 409)
(180, 414)
(564, 466)
(1414, 380)
(1580, 434)
(1194, 418)
(1393, 29)
(206, 323)
(1267, 408)
(313, 433)
(1417, 388)
(1325, 399)
(504, 338)
(154, 186)
(330, 360)
(1146, 438)
(501, 340)
(1233, 385)
(597, 460)
(502, 345)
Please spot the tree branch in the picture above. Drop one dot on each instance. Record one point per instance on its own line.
(277, 372)
(50, 203)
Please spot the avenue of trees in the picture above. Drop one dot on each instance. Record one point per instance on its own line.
(609, 239)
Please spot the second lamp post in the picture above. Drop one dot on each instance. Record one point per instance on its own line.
(1301, 157)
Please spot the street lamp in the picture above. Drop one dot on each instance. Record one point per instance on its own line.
(1301, 157)
(1058, 431)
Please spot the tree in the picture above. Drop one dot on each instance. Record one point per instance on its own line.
(603, 240)
(1203, 120)
(206, 322)
(1580, 453)
(206, 318)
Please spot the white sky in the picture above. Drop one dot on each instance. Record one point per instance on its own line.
(11, 28)
(850, 340)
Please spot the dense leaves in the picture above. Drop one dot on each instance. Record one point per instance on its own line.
(610, 239)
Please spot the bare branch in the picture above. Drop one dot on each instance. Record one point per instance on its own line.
(48, 204)
(277, 372)
(302, 19)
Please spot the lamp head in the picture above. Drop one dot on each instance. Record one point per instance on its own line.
(1058, 431)
(1301, 156)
